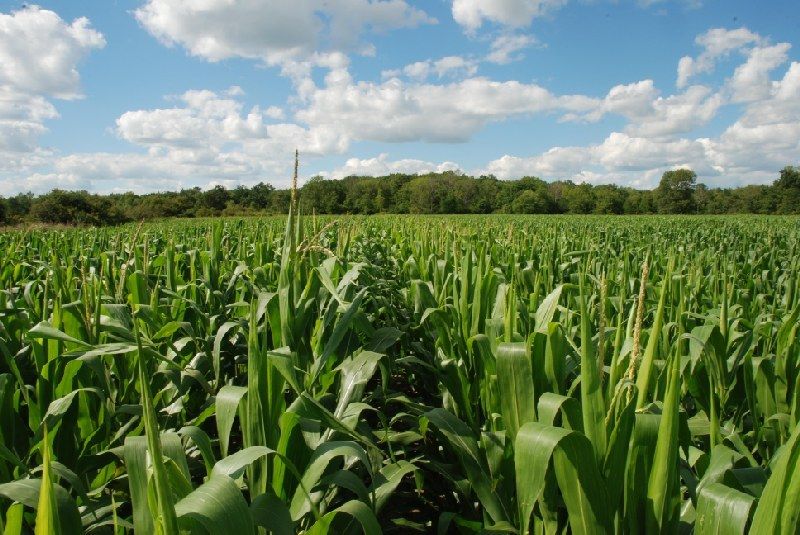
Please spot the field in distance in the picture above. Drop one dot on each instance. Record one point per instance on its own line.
(400, 374)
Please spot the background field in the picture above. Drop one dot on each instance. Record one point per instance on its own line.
(449, 374)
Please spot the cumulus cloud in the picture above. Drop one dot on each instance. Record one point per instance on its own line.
(39, 55)
(453, 66)
(767, 135)
(207, 135)
(382, 166)
(39, 52)
(652, 115)
(751, 79)
(620, 158)
(750, 151)
(471, 14)
(504, 48)
(273, 31)
(717, 43)
(396, 111)
(204, 137)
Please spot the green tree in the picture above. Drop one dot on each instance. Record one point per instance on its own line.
(3, 219)
(609, 200)
(531, 201)
(18, 207)
(216, 198)
(787, 190)
(239, 195)
(75, 208)
(675, 192)
(580, 199)
(261, 195)
(321, 196)
(789, 178)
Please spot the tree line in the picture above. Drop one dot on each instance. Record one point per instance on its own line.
(436, 193)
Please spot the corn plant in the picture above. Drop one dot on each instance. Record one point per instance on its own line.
(466, 374)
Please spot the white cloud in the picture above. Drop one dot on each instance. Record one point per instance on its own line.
(22, 118)
(39, 54)
(677, 113)
(454, 66)
(651, 115)
(751, 79)
(382, 165)
(504, 48)
(395, 111)
(689, 4)
(274, 31)
(620, 158)
(206, 137)
(767, 135)
(750, 151)
(275, 112)
(471, 14)
(717, 43)
(630, 100)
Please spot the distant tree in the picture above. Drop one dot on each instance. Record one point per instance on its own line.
(18, 207)
(675, 192)
(609, 200)
(485, 201)
(260, 196)
(751, 199)
(580, 199)
(216, 198)
(321, 196)
(240, 195)
(789, 178)
(423, 195)
(447, 192)
(639, 201)
(787, 189)
(279, 202)
(186, 202)
(75, 208)
(531, 201)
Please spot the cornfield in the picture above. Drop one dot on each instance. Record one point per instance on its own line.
(396, 374)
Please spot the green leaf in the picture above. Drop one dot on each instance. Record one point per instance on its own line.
(722, 510)
(218, 506)
(465, 446)
(547, 309)
(47, 522)
(269, 512)
(322, 457)
(27, 491)
(352, 510)
(778, 508)
(227, 403)
(135, 455)
(663, 488)
(539, 448)
(515, 382)
(44, 331)
(355, 372)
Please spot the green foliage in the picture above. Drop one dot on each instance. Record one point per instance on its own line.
(675, 192)
(469, 374)
(789, 178)
(448, 192)
(74, 208)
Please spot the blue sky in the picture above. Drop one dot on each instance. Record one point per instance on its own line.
(143, 95)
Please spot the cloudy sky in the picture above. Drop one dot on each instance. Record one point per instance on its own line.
(127, 95)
